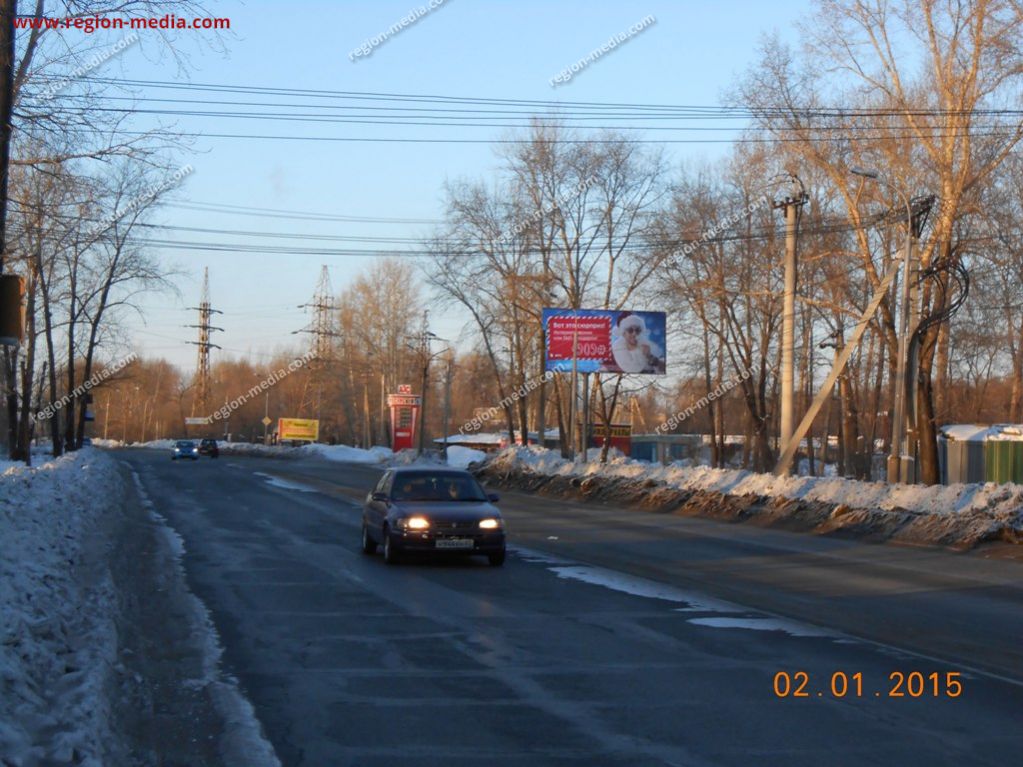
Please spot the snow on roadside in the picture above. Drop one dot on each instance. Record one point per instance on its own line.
(854, 494)
(346, 454)
(57, 610)
(100, 442)
(243, 741)
(461, 457)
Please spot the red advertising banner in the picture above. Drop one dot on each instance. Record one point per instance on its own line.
(594, 338)
(621, 436)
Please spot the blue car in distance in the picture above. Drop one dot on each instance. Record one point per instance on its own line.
(185, 448)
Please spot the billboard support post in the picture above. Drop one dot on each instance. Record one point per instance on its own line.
(586, 416)
(574, 409)
(541, 421)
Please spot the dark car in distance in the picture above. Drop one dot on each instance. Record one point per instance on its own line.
(432, 511)
(209, 447)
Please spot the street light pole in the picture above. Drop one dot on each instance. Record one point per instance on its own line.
(901, 468)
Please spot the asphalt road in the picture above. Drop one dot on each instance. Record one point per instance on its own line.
(609, 637)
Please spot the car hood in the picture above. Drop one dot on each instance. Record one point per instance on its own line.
(460, 511)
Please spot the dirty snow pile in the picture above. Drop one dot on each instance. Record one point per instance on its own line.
(924, 499)
(57, 610)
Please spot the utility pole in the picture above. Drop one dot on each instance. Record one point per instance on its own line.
(266, 418)
(902, 458)
(791, 206)
(383, 411)
(367, 426)
(106, 417)
(425, 339)
(447, 407)
(785, 460)
(202, 371)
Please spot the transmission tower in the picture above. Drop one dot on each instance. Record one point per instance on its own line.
(202, 371)
(323, 329)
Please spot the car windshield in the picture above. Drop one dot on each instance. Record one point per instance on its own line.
(185, 444)
(436, 487)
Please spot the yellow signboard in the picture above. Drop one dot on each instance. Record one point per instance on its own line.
(303, 429)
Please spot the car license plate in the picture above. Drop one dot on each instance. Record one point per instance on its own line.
(454, 543)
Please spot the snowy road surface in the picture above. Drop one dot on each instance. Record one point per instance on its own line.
(609, 638)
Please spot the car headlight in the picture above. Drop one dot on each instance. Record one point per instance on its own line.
(417, 523)
(490, 524)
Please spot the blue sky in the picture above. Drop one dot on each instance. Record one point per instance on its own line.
(476, 48)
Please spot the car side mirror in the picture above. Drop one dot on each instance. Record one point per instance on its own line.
(379, 496)
(493, 497)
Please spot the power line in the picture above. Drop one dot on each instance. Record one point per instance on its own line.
(842, 112)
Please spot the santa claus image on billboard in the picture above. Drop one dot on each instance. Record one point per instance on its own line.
(632, 348)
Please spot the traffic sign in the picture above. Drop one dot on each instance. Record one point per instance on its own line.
(267, 421)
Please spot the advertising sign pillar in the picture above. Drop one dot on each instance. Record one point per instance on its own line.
(404, 408)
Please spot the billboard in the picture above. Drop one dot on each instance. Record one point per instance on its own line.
(604, 341)
(301, 429)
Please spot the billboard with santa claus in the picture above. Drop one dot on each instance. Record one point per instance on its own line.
(605, 341)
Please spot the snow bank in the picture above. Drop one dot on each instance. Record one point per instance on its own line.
(346, 454)
(57, 610)
(100, 442)
(461, 457)
(921, 499)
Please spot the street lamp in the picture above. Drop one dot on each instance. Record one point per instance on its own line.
(900, 467)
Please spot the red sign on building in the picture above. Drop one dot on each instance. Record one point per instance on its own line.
(621, 436)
